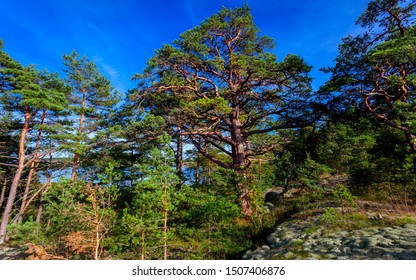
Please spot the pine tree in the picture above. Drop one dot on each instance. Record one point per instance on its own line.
(376, 70)
(218, 85)
(26, 91)
(91, 99)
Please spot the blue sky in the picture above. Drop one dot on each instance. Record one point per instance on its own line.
(121, 35)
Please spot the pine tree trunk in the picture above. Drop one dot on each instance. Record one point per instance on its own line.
(179, 158)
(15, 183)
(26, 193)
(41, 201)
(32, 171)
(239, 162)
(165, 221)
(244, 193)
(3, 192)
(41, 208)
(197, 175)
(25, 203)
(75, 166)
(143, 245)
(80, 130)
(48, 183)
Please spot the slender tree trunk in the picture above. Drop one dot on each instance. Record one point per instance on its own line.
(26, 193)
(15, 183)
(79, 131)
(75, 167)
(42, 202)
(143, 245)
(48, 183)
(30, 200)
(97, 237)
(165, 220)
(179, 158)
(41, 206)
(3, 192)
(19, 215)
(197, 175)
(132, 162)
(32, 171)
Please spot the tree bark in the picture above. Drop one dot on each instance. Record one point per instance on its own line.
(239, 161)
(48, 183)
(16, 179)
(165, 220)
(197, 176)
(3, 192)
(179, 158)
(80, 130)
(41, 207)
(32, 171)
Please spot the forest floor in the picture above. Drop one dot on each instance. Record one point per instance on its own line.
(370, 230)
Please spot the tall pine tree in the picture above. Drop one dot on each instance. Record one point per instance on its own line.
(26, 91)
(92, 100)
(219, 86)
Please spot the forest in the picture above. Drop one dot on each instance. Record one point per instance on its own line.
(218, 143)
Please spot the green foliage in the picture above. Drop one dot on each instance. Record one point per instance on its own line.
(295, 167)
(342, 145)
(79, 215)
(375, 69)
(343, 197)
(333, 218)
(152, 203)
(209, 224)
(27, 89)
(27, 232)
(92, 93)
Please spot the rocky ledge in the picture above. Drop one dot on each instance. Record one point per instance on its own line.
(12, 253)
(305, 240)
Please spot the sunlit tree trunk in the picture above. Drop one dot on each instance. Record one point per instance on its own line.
(32, 171)
(15, 183)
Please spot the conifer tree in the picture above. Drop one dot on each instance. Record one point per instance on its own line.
(26, 91)
(219, 85)
(91, 99)
(376, 70)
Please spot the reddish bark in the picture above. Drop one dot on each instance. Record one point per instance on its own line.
(15, 183)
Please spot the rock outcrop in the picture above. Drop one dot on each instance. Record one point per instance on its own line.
(308, 240)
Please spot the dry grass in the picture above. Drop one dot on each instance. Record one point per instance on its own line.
(38, 252)
(392, 207)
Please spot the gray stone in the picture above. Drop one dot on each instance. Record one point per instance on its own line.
(13, 253)
(304, 239)
(265, 248)
(272, 239)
